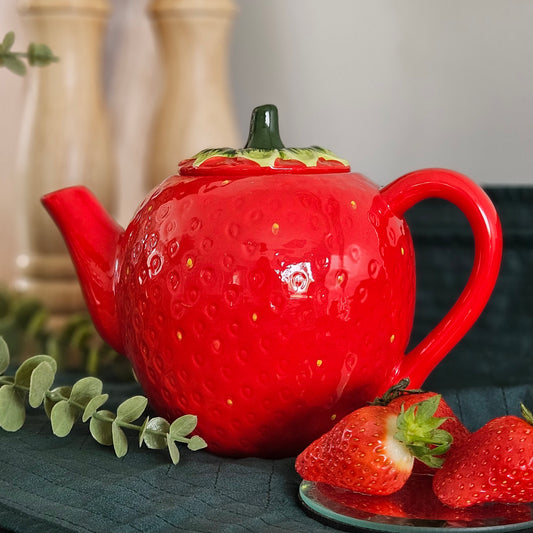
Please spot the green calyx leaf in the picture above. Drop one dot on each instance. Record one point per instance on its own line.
(526, 414)
(418, 430)
(267, 158)
(399, 389)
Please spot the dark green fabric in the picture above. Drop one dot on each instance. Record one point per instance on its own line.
(498, 350)
(73, 484)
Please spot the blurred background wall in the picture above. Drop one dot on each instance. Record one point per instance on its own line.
(391, 86)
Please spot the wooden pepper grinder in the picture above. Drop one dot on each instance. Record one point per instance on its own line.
(65, 140)
(195, 110)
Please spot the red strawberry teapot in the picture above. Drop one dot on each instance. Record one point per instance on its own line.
(269, 290)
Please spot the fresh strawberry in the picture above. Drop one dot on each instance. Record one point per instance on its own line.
(400, 396)
(495, 464)
(372, 449)
(452, 424)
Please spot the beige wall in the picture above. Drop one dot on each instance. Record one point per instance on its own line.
(11, 96)
(392, 86)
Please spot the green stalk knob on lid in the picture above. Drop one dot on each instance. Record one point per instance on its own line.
(264, 153)
(264, 129)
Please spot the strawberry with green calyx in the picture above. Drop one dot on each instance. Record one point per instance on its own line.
(495, 464)
(372, 449)
(400, 396)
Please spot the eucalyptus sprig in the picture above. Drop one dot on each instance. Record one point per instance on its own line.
(65, 405)
(38, 55)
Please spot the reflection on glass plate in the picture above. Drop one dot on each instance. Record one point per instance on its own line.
(414, 509)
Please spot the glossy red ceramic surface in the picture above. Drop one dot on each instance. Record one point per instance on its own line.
(270, 305)
(268, 290)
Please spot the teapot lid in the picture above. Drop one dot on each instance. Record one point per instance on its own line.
(264, 153)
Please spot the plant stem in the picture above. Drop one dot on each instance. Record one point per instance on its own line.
(56, 396)
(32, 381)
(104, 417)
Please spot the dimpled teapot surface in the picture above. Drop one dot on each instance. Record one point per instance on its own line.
(268, 290)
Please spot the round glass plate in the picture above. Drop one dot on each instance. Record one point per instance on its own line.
(413, 509)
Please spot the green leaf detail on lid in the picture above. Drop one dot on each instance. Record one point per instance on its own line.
(267, 158)
(264, 146)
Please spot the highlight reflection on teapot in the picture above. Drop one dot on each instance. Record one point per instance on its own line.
(269, 290)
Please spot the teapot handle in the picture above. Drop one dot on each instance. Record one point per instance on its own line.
(414, 187)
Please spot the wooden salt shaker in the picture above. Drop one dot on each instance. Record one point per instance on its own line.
(65, 140)
(195, 110)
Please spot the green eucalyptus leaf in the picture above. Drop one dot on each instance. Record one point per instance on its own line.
(14, 64)
(196, 443)
(131, 409)
(173, 450)
(4, 355)
(93, 405)
(63, 417)
(100, 427)
(120, 441)
(41, 380)
(54, 396)
(23, 374)
(182, 426)
(12, 410)
(425, 410)
(141, 431)
(9, 40)
(40, 55)
(85, 389)
(155, 433)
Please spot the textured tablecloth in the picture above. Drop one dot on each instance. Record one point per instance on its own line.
(73, 484)
(50, 485)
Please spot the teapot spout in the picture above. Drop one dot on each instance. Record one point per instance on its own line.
(92, 238)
